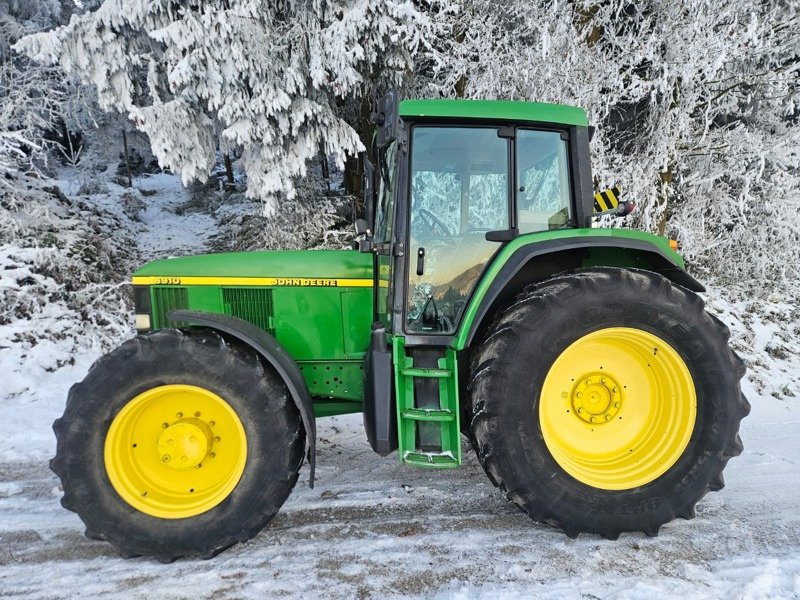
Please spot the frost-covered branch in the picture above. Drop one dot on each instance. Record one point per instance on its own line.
(272, 74)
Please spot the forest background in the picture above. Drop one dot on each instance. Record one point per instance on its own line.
(261, 108)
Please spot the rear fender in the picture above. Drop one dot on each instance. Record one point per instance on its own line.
(520, 263)
(276, 355)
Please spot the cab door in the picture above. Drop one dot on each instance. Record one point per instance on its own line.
(459, 191)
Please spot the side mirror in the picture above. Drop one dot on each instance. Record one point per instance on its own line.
(361, 227)
(365, 227)
(387, 118)
(364, 244)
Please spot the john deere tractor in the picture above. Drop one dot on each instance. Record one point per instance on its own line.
(595, 390)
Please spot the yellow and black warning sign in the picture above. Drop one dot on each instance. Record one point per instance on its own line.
(607, 199)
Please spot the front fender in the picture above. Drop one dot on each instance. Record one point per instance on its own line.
(275, 354)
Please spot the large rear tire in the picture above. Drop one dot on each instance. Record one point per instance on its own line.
(178, 444)
(606, 400)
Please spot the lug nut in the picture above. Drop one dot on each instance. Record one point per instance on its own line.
(616, 404)
(608, 417)
(592, 419)
(166, 458)
(179, 415)
(579, 395)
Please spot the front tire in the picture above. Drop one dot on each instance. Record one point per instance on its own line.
(606, 400)
(178, 444)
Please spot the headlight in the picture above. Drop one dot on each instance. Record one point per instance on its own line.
(141, 307)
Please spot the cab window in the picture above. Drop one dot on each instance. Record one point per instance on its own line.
(543, 191)
(459, 191)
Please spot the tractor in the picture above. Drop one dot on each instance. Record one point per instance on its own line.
(481, 299)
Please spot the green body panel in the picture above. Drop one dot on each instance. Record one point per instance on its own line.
(268, 263)
(496, 110)
(615, 259)
(324, 327)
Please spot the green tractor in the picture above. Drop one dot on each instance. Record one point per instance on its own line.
(596, 391)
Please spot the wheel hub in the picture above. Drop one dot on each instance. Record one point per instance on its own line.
(184, 444)
(596, 398)
(610, 446)
(175, 451)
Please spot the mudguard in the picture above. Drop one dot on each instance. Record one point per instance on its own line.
(517, 254)
(275, 354)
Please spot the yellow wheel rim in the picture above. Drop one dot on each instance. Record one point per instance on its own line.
(175, 451)
(617, 408)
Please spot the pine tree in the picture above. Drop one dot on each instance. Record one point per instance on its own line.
(272, 74)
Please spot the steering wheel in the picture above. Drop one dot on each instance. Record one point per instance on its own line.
(431, 221)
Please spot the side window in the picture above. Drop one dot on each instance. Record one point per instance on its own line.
(543, 193)
(384, 224)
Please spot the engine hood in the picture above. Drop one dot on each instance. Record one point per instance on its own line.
(259, 268)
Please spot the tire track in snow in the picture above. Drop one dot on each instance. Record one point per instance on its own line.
(373, 527)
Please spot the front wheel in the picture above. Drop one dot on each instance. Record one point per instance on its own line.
(178, 444)
(605, 401)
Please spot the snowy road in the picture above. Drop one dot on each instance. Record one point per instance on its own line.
(373, 529)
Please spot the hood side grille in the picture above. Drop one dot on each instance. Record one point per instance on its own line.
(253, 305)
(166, 299)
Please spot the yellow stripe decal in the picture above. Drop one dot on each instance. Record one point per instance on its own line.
(610, 195)
(600, 201)
(255, 281)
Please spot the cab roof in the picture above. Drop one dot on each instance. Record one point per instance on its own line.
(505, 110)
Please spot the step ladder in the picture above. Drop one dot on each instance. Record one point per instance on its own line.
(409, 415)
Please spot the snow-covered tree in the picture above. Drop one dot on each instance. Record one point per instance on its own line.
(272, 75)
(696, 103)
(30, 94)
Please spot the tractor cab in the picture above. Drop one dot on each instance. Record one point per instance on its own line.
(454, 182)
(456, 179)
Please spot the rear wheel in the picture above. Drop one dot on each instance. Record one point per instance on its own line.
(178, 444)
(606, 401)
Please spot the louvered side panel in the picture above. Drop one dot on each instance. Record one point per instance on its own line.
(166, 299)
(253, 305)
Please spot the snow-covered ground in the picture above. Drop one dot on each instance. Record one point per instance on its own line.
(374, 528)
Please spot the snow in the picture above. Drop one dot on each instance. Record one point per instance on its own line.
(184, 235)
(372, 527)
(375, 528)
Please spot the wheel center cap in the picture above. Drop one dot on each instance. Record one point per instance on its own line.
(596, 398)
(183, 445)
